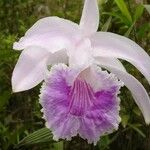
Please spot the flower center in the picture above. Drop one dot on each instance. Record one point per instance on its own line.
(81, 97)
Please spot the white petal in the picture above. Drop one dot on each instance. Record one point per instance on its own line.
(81, 56)
(52, 33)
(112, 45)
(30, 69)
(90, 17)
(138, 91)
(113, 61)
(58, 57)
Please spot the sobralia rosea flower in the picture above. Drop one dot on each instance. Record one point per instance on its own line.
(54, 40)
(75, 104)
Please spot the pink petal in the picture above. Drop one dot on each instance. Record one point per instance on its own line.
(112, 45)
(138, 91)
(90, 17)
(113, 61)
(58, 57)
(51, 33)
(80, 56)
(30, 69)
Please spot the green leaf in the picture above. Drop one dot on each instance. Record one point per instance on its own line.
(39, 136)
(5, 54)
(118, 16)
(135, 127)
(147, 8)
(123, 8)
(138, 12)
(58, 146)
(104, 142)
(124, 120)
(142, 30)
(137, 111)
(106, 26)
(4, 97)
(129, 31)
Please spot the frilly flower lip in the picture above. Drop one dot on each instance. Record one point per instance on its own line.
(53, 40)
(73, 106)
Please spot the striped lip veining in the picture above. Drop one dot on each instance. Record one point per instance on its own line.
(73, 106)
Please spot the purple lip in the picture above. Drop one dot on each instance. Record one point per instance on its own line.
(78, 109)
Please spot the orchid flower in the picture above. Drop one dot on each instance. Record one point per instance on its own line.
(80, 98)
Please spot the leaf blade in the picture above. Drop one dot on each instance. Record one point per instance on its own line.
(123, 8)
(39, 136)
(147, 8)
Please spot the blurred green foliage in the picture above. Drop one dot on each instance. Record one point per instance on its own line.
(20, 112)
